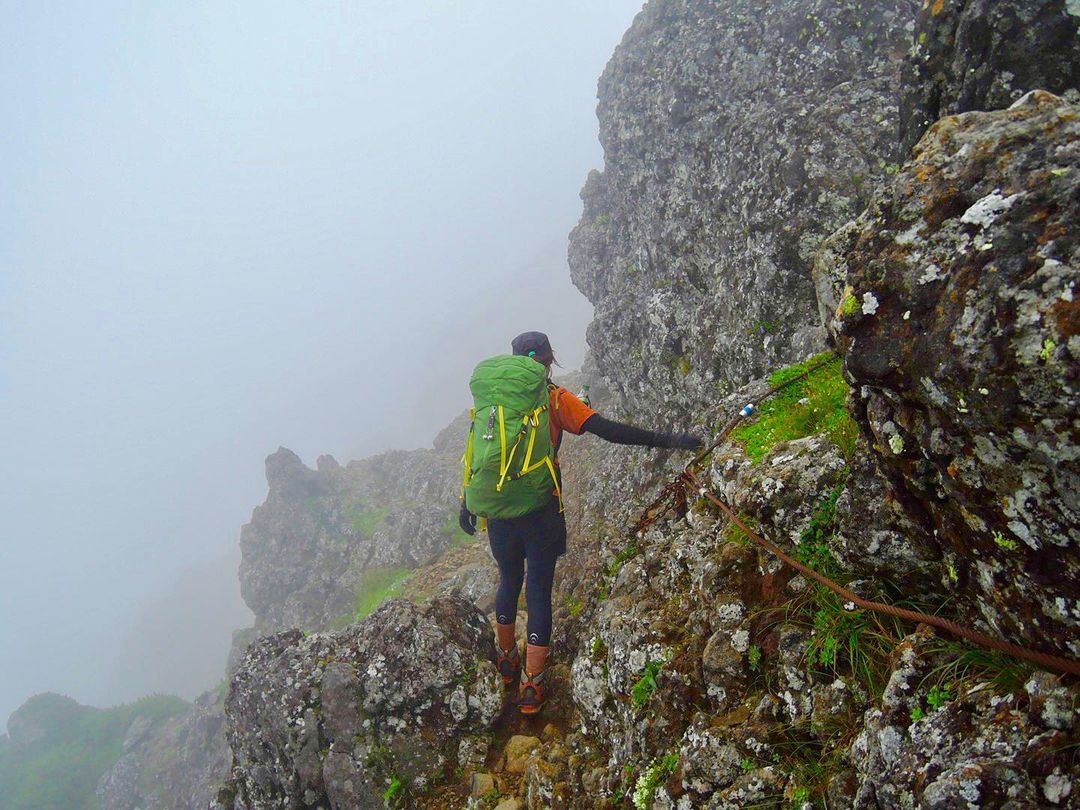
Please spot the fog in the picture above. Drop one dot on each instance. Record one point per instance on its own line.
(226, 227)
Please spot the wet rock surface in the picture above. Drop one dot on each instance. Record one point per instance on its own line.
(984, 55)
(347, 719)
(965, 348)
(736, 135)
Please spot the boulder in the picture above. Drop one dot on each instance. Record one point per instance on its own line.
(963, 337)
(343, 717)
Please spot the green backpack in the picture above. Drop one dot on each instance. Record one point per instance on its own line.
(509, 460)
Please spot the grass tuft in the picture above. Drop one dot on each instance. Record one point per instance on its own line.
(376, 585)
(811, 406)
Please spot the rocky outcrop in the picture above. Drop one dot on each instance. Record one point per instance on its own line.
(736, 136)
(307, 546)
(174, 766)
(960, 326)
(984, 55)
(372, 713)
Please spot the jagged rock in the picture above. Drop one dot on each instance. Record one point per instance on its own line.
(307, 547)
(736, 135)
(707, 759)
(337, 717)
(875, 536)
(983, 55)
(965, 346)
(986, 749)
(173, 764)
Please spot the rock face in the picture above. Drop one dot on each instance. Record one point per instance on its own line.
(307, 546)
(174, 767)
(736, 136)
(377, 710)
(984, 55)
(962, 327)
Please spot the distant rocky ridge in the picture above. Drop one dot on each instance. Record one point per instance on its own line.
(307, 546)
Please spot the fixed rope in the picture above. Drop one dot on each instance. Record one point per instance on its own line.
(675, 494)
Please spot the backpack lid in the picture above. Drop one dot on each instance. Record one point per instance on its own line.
(517, 383)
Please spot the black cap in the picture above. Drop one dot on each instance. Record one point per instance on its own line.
(532, 344)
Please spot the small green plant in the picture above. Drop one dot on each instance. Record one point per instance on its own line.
(850, 305)
(747, 765)
(938, 696)
(641, 691)
(392, 792)
(627, 553)
(601, 221)
(800, 796)
(813, 549)
(1047, 350)
(651, 778)
(754, 654)
(917, 714)
(965, 666)
(816, 404)
(574, 606)
(1007, 543)
(950, 570)
(597, 649)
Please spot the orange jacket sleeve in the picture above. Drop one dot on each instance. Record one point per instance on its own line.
(568, 412)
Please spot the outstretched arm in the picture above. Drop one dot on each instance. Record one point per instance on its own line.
(620, 433)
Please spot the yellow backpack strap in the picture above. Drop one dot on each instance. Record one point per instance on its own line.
(532, 420)
(502, 437)
(510, 460)
(466, 459)
(555, 481)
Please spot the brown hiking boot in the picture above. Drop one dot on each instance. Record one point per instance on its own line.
(531, 692)
(508, 662)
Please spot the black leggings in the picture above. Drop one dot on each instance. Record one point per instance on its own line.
(537, 539)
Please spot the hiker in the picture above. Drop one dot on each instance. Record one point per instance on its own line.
(512, 480)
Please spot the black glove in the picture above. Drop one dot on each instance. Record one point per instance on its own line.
(467, 520)
(682, 441)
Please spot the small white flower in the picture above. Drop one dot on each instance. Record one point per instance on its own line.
(849, 605)
(870, 304)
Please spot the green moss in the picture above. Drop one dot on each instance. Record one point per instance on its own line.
(786, 416)
(1006, 543)
(574, 606)
(849, 306)
(376, 586)
(367, 520)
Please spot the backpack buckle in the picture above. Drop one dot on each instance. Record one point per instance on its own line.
(490, 435)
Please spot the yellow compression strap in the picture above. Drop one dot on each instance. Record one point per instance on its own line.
(467, 458)
(535, 419)
(555, 481)
(502, 438)
(510, 460)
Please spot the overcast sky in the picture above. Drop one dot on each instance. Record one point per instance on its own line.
(226, 227)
